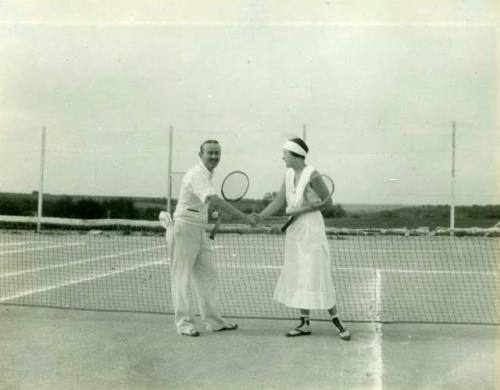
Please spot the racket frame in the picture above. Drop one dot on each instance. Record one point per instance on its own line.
(216, 226)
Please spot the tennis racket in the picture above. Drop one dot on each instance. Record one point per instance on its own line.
(234, 188)
(317, 192)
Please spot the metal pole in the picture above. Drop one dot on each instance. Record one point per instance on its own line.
(452, 206)
(304, 130)
(169, 173)
(40, 188)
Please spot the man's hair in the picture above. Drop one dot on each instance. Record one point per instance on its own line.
(302, 144)
(208, 141)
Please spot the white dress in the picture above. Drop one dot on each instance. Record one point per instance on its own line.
(306, 280)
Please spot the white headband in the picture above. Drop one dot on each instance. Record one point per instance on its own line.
(293, 147)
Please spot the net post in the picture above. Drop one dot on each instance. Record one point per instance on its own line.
(40, 188)
(169, 170)
(304, 131)
(452, 205)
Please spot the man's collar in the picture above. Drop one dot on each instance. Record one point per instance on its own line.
(200, 163)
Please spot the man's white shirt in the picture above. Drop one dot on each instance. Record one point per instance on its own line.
(196, 187)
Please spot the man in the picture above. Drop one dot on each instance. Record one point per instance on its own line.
(191, 252)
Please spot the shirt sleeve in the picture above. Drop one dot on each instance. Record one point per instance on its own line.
(201, 187)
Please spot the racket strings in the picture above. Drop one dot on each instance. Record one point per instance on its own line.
(317, 192)
(235, 186)
(311, 196)
(323, 189)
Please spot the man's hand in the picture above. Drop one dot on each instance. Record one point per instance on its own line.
(258, 217)
(253, 219)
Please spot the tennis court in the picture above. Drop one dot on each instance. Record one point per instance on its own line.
(418, 305)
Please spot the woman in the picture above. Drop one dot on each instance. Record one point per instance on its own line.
(305, 281)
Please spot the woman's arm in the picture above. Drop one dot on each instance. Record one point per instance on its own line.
(229, 208)
(320, 188)
(276, 205)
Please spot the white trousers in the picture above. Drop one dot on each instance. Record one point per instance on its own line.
(193, 260)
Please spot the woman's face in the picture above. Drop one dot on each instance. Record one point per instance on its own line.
(288, 158)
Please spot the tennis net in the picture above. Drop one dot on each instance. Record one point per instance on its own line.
(387, 275)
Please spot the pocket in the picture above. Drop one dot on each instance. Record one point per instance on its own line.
(176, 229)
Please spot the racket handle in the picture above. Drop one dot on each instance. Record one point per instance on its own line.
(288, 223)
(215, 228)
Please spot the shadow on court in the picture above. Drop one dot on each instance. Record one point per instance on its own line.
(69, 349)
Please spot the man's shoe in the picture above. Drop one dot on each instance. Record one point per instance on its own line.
(227, 326)
(190, 332)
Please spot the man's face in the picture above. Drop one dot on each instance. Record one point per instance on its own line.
(210, 156)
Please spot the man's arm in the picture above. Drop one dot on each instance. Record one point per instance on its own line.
(229, 209)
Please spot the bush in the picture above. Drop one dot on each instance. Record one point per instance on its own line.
(16, 207)
(336, 211)
(120, 208)
(64, 207)
(387, 214)
(89, 209)
(150, 213)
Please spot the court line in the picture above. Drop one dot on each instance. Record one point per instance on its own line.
(367, 250)
(41, 248)
(389, 251)
(83, 261)
(416, 271)
(243, 266)
(378, 295)
(378, 362)
(386, 270)
(18, 243)
(77, 281)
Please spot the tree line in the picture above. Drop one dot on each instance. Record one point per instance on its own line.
(126, 208)
(443, 211)
(117, 208)
(82, 208)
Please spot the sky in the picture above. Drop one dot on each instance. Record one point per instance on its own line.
(375, 87)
